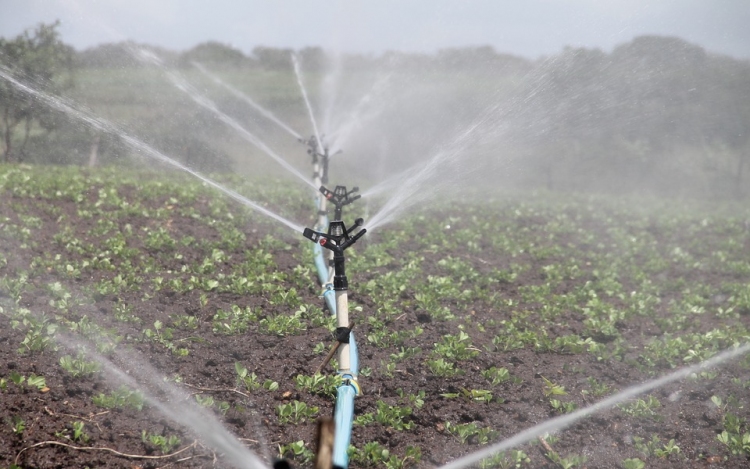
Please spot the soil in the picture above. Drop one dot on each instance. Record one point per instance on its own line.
(606, 439)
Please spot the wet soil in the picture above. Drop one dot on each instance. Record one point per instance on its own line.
(606, 439)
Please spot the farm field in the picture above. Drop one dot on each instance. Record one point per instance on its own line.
(475, 321)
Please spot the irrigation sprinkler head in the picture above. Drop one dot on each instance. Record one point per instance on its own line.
(338, 239)
(340, 197)
(319, 152)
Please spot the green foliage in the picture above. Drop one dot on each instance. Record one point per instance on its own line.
(373, 454)
(567, 462)
(471, 433)
(283, 324)
(735, 435)
(79, 367)
(388, 415)
(552, 389)
(417, 400)
(642, 408)
(632, 463)
(234, 321)
(513, 459)
(456, 347)
(78, 433)
(297, 451)
(442, 368)
(324, 385)
(296, 412)
(496, 375)
(39, 56)
(17, 425)
(165, 444)
(475, 395)
(563, 407)
(164, 336)
(120, 398)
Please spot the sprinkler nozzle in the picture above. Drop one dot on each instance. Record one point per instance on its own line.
(311, 235)
(340, 197)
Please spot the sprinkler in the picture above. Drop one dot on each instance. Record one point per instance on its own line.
(339, 198)
(319, 159)
(338, 239)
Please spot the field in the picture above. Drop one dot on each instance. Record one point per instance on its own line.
(475, 320)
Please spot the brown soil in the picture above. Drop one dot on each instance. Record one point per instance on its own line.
(605, 439)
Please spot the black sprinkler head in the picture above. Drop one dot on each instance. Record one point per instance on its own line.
(337, 240)
(339, 198)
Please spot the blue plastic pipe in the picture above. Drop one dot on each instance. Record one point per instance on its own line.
(344, 413)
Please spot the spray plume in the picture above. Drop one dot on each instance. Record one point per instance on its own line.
(307, 101)
(137, 145)
(182, 84)
(564, 421)
(239, 94)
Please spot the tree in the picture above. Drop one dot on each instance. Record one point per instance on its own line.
(39, 57)
(214, 53)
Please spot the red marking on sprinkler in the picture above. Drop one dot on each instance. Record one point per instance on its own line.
(323, 241)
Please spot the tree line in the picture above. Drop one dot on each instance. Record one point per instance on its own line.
(658, 110)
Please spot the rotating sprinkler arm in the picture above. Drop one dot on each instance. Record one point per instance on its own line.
(337, 239)
(339, 197)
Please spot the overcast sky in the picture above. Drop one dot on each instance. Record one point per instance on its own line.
(523, 27)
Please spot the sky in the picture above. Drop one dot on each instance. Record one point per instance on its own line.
(530, 28)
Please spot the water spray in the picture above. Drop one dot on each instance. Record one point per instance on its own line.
(564, 421)
(297, 72)
(136, 145)
(337, 240)
(239, 94)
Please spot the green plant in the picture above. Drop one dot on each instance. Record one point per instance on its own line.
(563, 407)
(17, 424)
(79, 367)
(204, 401)
(632, 463)
(165, 444)
(513, 459)
(669, 449)
(496, 375)
(296, 412)
(442, 368)
(417, 400)
(471, 433)
(552, 389)
(324, 385)
(456, 347)
(78, 433)
(388, 415)
(476, 395)
(567, 462)
(164, 335)
(119, 398)
(234, 321)
(737, 443)
(598, 389)
(374, 454)
(297, 451)
(642, 408)
(283, 324)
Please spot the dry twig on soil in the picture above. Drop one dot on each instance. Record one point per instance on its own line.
(109, 450)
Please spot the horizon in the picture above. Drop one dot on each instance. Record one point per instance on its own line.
(535, 29)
